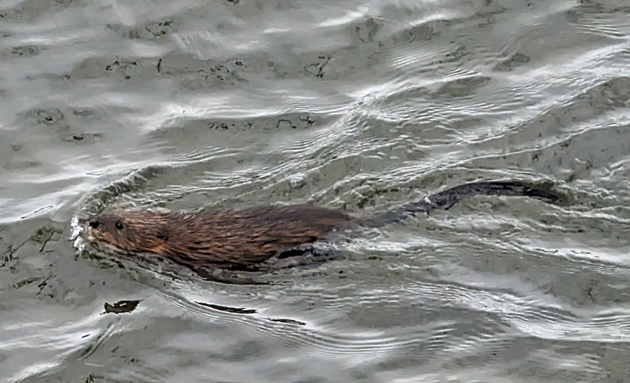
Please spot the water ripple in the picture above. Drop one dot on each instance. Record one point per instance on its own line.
(355, 105)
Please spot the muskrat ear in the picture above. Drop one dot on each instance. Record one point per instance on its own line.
(162, 236)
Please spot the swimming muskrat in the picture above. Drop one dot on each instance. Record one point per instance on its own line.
(246, 239)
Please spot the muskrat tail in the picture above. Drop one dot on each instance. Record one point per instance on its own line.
(449, 197)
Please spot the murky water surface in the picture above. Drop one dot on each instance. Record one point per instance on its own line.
(232, 104)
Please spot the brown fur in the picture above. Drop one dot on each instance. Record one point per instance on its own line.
(232, 239)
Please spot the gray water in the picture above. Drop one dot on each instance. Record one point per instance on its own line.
(361, 105)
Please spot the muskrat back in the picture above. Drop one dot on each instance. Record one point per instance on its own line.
(235, 239)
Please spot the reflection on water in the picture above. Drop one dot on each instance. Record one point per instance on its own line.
(358, 105)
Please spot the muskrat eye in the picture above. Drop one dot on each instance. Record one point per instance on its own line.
(119, 225)
(93, 224)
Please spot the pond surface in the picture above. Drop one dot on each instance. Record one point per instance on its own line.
(358, 105)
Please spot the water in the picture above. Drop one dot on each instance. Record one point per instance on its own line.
(190, 104)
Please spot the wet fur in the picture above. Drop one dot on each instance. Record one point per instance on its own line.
(245, 239)
(229, 239)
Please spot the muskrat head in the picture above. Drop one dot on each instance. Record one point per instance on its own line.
(129, 231)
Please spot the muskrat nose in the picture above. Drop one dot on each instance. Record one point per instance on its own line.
(93, 223)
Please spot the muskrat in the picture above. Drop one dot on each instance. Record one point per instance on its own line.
(246, 239)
